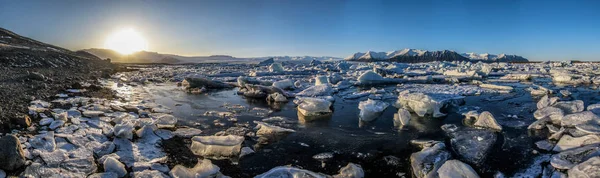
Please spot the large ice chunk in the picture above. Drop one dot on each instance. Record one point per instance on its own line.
(545, 101)
(276, 67)
(496, 87)
(321, 80)
(113, 165)
(423, 104)
(371, 78)
(314, 108)
(371, 109)
(487, 120)
(568, 142)
(204, 168)
(401, 118)
(589, 168)
(456, 169)
(271, 131)
(217, 146)
(555, 114)
(44, 141)
(570, 107)
(351, 171)
(426, 162)
(288, 172)
(200, 82)
(284, 84)
(571, 120)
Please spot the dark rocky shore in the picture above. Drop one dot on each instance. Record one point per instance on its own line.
(30, 70)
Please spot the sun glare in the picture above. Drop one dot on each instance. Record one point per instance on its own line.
(126, 41)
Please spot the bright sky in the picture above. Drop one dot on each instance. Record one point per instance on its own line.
(538, 30)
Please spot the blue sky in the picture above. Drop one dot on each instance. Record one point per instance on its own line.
(538, 30)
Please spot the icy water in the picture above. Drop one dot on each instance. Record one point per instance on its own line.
(380, 148)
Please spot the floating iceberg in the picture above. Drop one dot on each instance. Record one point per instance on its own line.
(313, 108)
(371, 109)
(217, 146)
(423, 104)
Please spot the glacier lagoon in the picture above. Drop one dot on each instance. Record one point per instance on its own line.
(244, 120)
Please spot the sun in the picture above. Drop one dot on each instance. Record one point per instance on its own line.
(126, 41)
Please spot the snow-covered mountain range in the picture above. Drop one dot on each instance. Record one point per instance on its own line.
(493, 57)
(154, 57)
(416, 55)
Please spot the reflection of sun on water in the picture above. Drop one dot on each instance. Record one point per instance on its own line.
(126, 41)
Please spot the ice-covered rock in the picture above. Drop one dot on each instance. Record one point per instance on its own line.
(544, 145)
(146, 134)
(284, 84)
(571, 120)
(522, 77)
(124, 130)
(496, 87)
(246, 151)
(545, 101)
(217, 146)
(321, 80)
(570, 158)
(565, 93)
(334, 78)
(555, 114)
(149, 174)
(540, 91)
(568, 142)
(276, 97)
(426, 162)
(371, 109)
(56, 124)
(54, 158)
(89, 113)
(103, 175)
(472, 145)
(46, 121)
(40, 170)
(103, 148)
(539, 124)
(113, 165)
(589, 168)
(276, 67)
(456, 169)
(314, 108)
(487, 120)
(204, 168)
(288, 171)
(401, 118)
(570, 107)
(165, 121)
(201, 82)
(590, 127)
(44, 141)
(351, 171)
(271, 131)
